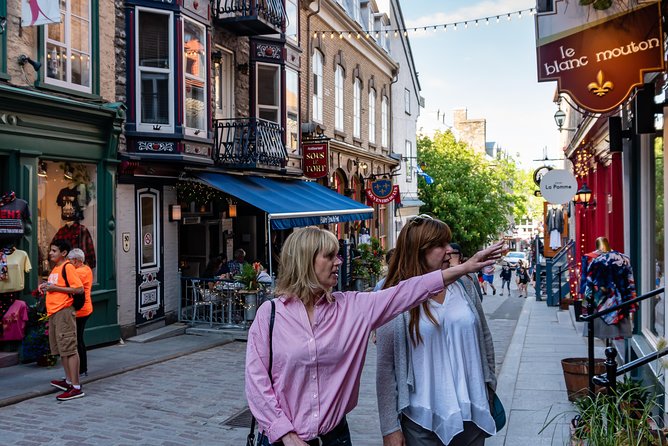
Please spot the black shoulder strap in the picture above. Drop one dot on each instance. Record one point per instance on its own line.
(67, 284)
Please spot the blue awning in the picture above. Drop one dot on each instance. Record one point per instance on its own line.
(290, 203)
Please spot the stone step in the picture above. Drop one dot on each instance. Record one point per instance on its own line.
(8, 359)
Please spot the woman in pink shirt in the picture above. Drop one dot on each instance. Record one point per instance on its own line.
(320, 339)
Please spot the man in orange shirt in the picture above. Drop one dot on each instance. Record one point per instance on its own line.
(62, 320)
(77, 257)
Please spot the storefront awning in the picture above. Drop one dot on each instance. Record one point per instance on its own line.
(290, 203)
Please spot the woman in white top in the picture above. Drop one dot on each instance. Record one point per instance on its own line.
(435, 366)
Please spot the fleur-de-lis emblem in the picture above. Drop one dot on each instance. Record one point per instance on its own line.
(600, 88)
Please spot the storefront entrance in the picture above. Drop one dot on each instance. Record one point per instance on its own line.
(150, 280)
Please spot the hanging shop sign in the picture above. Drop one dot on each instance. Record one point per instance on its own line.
(558, 186)
(382, 192)
(316, 156)
(598, 57)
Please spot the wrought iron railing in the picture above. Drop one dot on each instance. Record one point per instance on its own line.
(609, 378)
(249, 143)
(556, 286)
(271, 11)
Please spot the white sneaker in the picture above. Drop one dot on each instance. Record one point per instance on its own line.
(501, 294)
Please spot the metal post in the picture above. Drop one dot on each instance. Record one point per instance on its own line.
(537, 270)
(559, 273)
(590, 344)
(271, 263)
(611, 368)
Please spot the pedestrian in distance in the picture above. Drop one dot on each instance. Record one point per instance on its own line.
(62, 318)
(506, 274)
(435, 363)
(522, 279)
(320, 337)
(77, 257)
(488, 279)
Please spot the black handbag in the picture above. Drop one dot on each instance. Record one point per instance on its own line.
(262, 439)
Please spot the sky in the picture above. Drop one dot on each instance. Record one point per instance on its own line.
(490, 70)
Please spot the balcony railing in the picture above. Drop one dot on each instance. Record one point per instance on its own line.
(249, 143)
(250, 17)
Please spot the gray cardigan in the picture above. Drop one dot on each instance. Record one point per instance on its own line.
(394, 371)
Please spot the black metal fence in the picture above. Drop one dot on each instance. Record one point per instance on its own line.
(271, 11)
(249, 143)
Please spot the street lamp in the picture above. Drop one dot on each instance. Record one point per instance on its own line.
(560, 118)
(583, 195)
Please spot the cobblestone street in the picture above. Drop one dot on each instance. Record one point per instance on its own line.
(187, 400)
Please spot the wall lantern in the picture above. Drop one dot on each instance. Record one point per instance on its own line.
(174, 212)
(41, 169)
(232, 208)
(68, 173)
(560, 118)
(583, 195)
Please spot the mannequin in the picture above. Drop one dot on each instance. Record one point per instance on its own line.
(609, 281)
(72, 212)
(14, 264)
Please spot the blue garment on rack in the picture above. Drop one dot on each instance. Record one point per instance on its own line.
(610, 282)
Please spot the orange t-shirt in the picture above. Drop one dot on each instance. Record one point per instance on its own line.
(55, 300)
(86, 275)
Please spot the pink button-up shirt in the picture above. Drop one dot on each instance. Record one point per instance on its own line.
(316, 370)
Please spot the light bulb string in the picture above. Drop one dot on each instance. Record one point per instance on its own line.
(395, 32)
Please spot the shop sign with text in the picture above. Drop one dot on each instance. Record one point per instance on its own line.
(383, 192)
(316, 156)
(598, 57)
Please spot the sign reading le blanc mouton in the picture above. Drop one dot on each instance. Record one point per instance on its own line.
(315, 159)
(597, 57)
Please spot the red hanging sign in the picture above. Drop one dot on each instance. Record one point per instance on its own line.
(316, 156)
(383, 192)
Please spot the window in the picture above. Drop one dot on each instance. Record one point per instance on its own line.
(383, 122)
(317, 86)
(357, 12)
(3, 40)
(195, 72)
(67, 47)
(370, 17)
(268, 91)
(410, 161)
(292, 109)
(292, 22)
(223, 85)
(67, 209)
(372, 116)
(357, 112)
(154, 71)
(338, 98)
(654, 309)
(407, 101)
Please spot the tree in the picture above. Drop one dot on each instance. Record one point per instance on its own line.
(474, 196)
(525, 188)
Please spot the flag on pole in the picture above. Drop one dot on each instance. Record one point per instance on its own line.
(39, 12)
(427, 178)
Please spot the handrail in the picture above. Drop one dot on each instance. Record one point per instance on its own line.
(601, 313)
(612, 371)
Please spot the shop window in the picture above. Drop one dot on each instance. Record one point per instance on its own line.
(656, 307)
(292, 109)
(67, 47)
(195, 73)
(67, 209)
(317, 86)
(268, 82)
(154, 71)
(223, 85)
(372, 115)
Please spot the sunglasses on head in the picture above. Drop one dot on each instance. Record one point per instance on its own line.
(418, 219)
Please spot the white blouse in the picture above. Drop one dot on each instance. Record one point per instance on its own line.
(449, 381)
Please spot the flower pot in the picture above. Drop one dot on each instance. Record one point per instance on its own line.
(576, 375)
(250, 305)
(47, 360)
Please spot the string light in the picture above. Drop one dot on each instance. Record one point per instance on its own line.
(405, 31)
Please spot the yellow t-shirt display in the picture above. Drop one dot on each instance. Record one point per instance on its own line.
(18, 264)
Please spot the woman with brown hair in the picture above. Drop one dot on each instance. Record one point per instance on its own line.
(435, 364)
(320, 337)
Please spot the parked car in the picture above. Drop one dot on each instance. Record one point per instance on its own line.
(513, 257)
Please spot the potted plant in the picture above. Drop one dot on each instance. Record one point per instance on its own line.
(35, 344)
(368, 264)
(248, 277)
